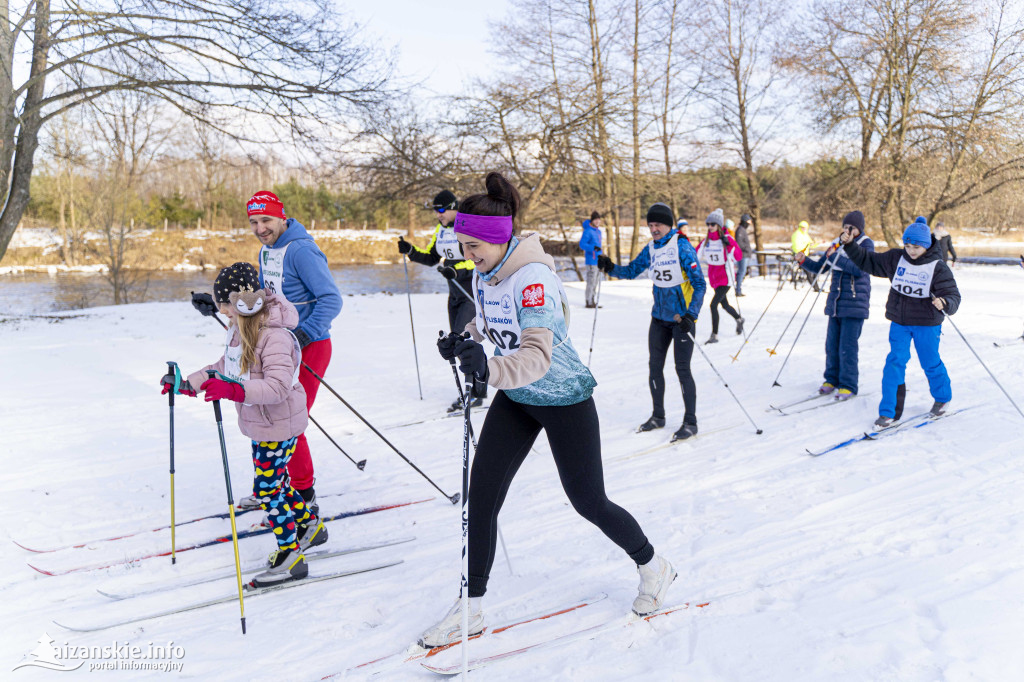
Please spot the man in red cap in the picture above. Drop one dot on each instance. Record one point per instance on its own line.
(291, 264)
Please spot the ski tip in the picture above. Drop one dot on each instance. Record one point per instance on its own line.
(40, 570)
(108, 595)
(29, 549)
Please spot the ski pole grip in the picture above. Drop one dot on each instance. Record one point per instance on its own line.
(216, 403)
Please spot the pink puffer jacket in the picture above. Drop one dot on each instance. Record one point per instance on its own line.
(722, 275)
(275, 408)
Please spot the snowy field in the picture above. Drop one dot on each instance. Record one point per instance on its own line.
(896, 560)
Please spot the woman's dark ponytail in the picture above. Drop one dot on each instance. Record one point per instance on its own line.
(501, 198)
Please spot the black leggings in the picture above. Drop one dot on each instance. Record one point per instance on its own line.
(660, 335)
(719, 300)
(508, 433)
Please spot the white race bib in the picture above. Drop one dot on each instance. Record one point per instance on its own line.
(665, 269)
(496, 316)
(233, 360)
(914, 280)
(714, 252)
(447, 244)
(272, 264)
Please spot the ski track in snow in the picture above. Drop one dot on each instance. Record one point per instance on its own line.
(895, 560)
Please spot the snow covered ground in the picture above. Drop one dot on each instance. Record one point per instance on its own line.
(896, 560)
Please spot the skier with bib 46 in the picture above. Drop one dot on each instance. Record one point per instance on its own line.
(543, 385)
(259, 372)
(923, 288)
(671, 263)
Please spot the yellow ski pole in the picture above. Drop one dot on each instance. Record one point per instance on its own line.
(231, 500)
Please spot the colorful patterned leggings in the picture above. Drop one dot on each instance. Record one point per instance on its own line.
(272, 487)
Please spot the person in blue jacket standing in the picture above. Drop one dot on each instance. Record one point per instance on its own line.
(291, 264)
(679, 287)
(590, 242)
(847, 306)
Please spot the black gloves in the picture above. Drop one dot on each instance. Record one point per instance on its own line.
(686, 323)
(204, 304)
(404, 246)
(447, 271)
(303, 338)
(605, 263)
(472, 359)
(446, 344)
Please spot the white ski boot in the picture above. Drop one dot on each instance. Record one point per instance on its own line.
(449, 630)
(286, 565)
(655, 578)
(311, 534)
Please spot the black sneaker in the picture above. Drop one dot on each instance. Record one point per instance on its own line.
(685, 431)
(938, 409)
(652, 423)
(739, 325)
(884, 422)
(456, 406)
(476, 402)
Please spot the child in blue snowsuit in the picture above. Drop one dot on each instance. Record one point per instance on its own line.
(923, 291)
(847, 306)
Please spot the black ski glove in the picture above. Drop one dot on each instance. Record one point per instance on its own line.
(472, 359)
(686, 323)
(446, 344)
(404, 246)
(448, 271)
(303, 338)
(605, 263)
(204, 304)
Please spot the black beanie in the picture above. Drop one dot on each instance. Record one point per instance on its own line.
(237, 277)
(445, 199)
(660, 213)
(595, 216)
(745, 219)
(855, 218)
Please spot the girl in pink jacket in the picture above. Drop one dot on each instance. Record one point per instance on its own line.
(259, 372)
(720, 252)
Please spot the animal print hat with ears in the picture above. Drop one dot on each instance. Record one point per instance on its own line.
(238, 285)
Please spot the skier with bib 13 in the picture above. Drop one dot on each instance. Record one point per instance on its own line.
(923, 291)
(671, 263)
(542, 385)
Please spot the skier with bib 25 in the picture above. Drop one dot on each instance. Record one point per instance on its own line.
(542, 385)
(923, 288)
(671, 263)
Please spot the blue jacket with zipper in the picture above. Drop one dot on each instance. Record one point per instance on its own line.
(850, 293)
(687, 298)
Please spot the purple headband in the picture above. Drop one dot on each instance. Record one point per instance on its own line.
(493, 229)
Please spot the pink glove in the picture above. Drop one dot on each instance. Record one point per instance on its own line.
(184, 388)
(218, 389)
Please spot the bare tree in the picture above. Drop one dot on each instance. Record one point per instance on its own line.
(296, 68)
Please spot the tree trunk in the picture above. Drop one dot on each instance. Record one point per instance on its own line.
(28, 132)
(410, 230)
(634, 241)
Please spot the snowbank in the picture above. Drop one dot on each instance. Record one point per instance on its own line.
(895, 560)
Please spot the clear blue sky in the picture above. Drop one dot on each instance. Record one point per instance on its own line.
(443, 44)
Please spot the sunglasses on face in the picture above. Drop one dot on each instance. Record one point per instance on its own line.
(440, 210)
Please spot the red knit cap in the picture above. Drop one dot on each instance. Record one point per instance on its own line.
(265, 203)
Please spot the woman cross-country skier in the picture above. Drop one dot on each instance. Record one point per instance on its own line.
(720, 251)
(671, 263)
(259, 372)
(542, 385)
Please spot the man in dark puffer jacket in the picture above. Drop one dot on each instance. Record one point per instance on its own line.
(847, 306)
(923, 290)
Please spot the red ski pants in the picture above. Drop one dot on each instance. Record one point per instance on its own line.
(317, 355)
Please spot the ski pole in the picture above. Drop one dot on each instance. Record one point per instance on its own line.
(814, 284)
(1012, 402)
(746, 337)
(231, 500)
(466, 428)
(172, 368)
(454, 499)
(361, 464)
(593, 328)
(463, 398)
(408, 295)
(817, 295)
(756, 428)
